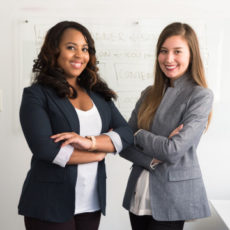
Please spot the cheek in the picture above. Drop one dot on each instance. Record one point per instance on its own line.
(63, 58)
(187, 61)
(87, 57)
(160, 60)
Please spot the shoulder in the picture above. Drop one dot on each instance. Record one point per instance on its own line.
(201, 92)
(200, 96)
(34, 92)
(146, 91)
(38, 89)
(34, 88)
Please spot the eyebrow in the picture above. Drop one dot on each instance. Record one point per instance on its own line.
(173, 48)
(75, 44)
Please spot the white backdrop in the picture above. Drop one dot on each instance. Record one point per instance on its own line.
(125, 51)
(125, 33)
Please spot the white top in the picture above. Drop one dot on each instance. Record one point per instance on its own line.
(140, 203)
(86, 199)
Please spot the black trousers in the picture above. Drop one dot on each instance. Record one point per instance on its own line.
(148, 223)
(83, 221)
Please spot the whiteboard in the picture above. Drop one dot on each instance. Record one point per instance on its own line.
(125, 51)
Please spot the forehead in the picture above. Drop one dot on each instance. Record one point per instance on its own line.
(73, 35)
(175, 42)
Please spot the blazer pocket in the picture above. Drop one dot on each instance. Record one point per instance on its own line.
(184, 174)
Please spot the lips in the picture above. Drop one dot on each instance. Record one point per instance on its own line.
(170, 67)
(76, 65)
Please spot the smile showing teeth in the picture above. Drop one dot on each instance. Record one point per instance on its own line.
(76, 65)
(170, 67)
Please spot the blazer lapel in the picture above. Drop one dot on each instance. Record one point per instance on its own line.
(67, 109)
(168, 99)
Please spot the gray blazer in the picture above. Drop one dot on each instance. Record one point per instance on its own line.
(176, 187)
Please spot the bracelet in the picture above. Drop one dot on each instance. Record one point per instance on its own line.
(93, 139)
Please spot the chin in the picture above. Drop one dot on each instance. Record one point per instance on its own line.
(170, 76)
(71, 76)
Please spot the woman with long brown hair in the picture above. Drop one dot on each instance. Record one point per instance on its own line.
(70, 122)
(165, 187)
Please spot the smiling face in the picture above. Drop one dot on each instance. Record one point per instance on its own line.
(74, 54)
(174, 57)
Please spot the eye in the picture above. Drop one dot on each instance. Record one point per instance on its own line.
(85, 49)
(70, 47)
(163, 51)
(177, 51)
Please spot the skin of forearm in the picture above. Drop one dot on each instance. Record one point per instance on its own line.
(104, 144)
(81, 157)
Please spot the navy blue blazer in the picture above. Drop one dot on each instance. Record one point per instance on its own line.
(49, 190)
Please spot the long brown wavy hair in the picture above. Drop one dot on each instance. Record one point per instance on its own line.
(155, 93)
(48, 73)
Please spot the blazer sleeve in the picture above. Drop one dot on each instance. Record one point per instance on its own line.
(120, 126)
(194, 122)
(36, 126)
(132, 153)
(137, 157)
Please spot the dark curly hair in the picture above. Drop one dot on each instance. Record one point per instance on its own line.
(49, 74)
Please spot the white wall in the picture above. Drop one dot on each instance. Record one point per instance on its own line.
(213, 150)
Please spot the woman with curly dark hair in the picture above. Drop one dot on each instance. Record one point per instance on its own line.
(70, 123)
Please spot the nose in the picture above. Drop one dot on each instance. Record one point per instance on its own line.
(78, 52)
(169, 57)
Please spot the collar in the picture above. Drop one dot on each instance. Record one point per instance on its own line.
(182, 81)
